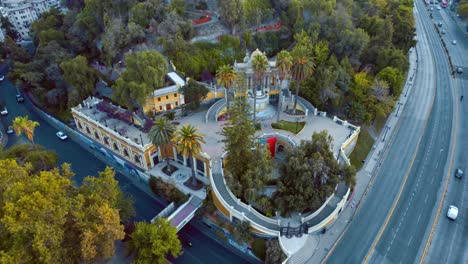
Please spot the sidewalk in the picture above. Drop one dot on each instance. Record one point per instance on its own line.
(364, 177)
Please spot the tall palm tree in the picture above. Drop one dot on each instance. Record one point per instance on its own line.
(259, 65)
(22, 124)
(284, 63)
(161, 135)
(188, 142)
(226, 76)
(303, 67)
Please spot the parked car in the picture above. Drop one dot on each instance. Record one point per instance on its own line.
(459, 70)
(4, 111)
(443, 31)
(432, 9)
(61, 135)
(19, 98)
(2, 78)
(438, 7)
(9, 130)
(458, 173)
(452, 212)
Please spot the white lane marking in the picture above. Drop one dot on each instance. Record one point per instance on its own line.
(409, 242)
(427, 196)
(419, 217)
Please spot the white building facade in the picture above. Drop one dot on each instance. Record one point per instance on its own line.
(22, 13)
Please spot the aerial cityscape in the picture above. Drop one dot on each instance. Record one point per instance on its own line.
(233, 131)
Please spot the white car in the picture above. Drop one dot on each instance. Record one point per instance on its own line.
(61, 135)
(2, 78)
(452, 212)
(9, 130)
(438, 7)
(4, 111)
(454, 42)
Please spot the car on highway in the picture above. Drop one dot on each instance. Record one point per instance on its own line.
(454, 42)
(19, 98)
(4, 111)
(458, 173)
(452, 212)
(9, 130)
(61, 135)
(2, 78)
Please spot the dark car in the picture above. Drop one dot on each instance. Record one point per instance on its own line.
(19, 98)
(458, 173)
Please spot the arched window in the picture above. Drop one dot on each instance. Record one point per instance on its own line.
(96, 135)
(137, 159)
(125, 152)
(116, 147)
(106, 140)
(87, 130)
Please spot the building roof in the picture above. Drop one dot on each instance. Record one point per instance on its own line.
(116, 120)
(176, 79)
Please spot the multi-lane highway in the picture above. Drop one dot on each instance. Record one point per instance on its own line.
(207, 248)
(392, 224)
(450, 243)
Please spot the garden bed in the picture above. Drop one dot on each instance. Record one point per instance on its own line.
(293, 127)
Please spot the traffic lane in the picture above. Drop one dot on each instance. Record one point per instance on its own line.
(82, 162)
(450, 244)
(368, 220)
(201, 253)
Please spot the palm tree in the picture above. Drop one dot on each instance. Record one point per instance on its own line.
(226, 77)
(188, 142)
(161, 135)
(22, 124)
(303, 67)
(284, 63)
(259, 65)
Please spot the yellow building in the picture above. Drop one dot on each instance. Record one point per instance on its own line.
(167, 97)
(126, 135)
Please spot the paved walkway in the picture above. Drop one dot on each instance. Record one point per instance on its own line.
(364, 179)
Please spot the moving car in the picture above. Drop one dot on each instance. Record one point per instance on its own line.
(452, 212)
(432, 9)
(458, 173)
(443, 31)
(2, 78)
(454, 42)
(19, 98)
(459, 70)
(4, 111)
(438, 7)
(61, 135)
(9, 130)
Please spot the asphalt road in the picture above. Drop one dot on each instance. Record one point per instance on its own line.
(450, 243)
(417, 162)
(206, 249)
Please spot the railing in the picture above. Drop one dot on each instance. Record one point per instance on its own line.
(316, 212)
(212, 108)
(169, 209)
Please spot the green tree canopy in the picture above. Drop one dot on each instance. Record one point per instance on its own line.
(144, 73)
(152, 242)
(309, 175)
(46, 219)
(194, 93)
(81, 77)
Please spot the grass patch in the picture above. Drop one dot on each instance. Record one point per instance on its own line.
(293, 127)
(379, 123)
(259, 248)
(362, 148)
